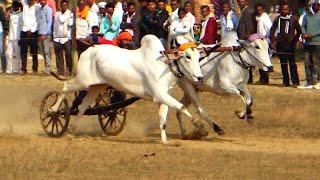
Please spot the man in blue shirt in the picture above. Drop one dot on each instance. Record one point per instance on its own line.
(44, 16)
(311, 34)
(110, 24)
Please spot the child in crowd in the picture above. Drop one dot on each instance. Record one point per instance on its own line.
(13, 49)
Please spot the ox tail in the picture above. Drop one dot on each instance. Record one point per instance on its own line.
(61, 78)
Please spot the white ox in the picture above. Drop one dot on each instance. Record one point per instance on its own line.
(227, 72)
(142, 73)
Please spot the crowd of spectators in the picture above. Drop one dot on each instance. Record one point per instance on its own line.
(36, 25)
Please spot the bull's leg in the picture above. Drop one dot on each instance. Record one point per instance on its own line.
(69, 87)
(163, 112)
(192, 94)
(165, 98)
(87, 101)
(186, 102)
(248, 101)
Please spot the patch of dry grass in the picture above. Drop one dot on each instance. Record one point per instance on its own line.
(283, 143)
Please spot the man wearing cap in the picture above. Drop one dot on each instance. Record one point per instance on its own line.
(124, 40)
(102, 11)
(311, 34)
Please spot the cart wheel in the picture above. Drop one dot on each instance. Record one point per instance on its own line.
(54, 124)
(111, 122)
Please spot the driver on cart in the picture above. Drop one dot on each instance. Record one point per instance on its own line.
(123, 40)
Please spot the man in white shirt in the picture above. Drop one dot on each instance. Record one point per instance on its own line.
(62, 38)
(93, 14)
(102, 10)
(13, 48)
(228, 19)
(180, 29)
(264, 25)
(118, 9)
(29, 35)
(188, 6)
(82, 26)
(44, 17)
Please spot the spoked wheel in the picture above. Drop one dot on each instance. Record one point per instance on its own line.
(54, 124)
(111, 122)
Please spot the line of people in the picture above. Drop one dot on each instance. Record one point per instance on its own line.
(35, 25)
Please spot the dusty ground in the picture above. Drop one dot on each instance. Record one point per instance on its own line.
(283, 143)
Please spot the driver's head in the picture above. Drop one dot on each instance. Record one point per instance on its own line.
(124, 40)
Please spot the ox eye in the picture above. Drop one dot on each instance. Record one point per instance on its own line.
(188, 57)
(257, 47)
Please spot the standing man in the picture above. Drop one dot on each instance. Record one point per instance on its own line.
(247, 25)
(263, 27)
(285, 34)
(62, 38)
(188, 6)
(311, 34)
(129, 23)
(102, 11)
(209, 29)
(110, 25)
(174, 6)
(2, 37)
(149, 20)
(52, 5)
(29, 35)
(13, 48)
(82, 26)
(118, 9)
(93, 14)
(228, 20)
(162, 16)
(44, 17)
(180, 29)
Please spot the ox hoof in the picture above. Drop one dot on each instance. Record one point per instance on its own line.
(240, 114)
(249, 118)
(218, 130)
(221, 132)
(197, 134)
(165, 142)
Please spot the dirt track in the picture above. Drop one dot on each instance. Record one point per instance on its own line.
(283, 143)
